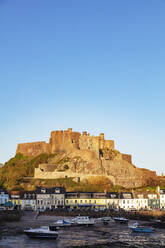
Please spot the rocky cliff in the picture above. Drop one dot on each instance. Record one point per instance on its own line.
(82, 156)
(1, 165)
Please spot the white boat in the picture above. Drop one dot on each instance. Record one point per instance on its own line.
(60, 223)
(41, 232)
(82, 220)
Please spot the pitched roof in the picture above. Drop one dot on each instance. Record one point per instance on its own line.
(54, 190)
(162, 191)
(126, 195)
(112, 195)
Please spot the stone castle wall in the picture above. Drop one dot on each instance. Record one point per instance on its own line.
(34, 148)
(66, 141)
(39, 174)
(127, 157)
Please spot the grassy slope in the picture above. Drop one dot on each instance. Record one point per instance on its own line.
(13, 176)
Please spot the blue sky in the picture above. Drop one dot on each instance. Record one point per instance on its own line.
(90, 65)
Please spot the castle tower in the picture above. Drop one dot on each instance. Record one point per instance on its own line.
(64, 141)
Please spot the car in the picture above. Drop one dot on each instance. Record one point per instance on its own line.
(132, 209)
(42, 210)
(2, 208)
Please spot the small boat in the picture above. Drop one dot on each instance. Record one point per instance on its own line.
(83, 220)
(60, 223)
(121, 220)
(140, 229)
(105, 220)
(43, 232)
(158, 224)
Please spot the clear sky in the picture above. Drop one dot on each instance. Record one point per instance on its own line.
(91, 65)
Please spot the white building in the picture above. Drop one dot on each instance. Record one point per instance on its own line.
(162, 198)
(4, 197)
(28, 200)
(126, 201)
(50, 198)
(140, 201)
(112, 200)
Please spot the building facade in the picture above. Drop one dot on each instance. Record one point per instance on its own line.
(153, 201)
(112, 200)
(28, 199)
(162, 198)
(84, 200)
(140, 201)
(126, 201)
(50, 198)
(4, 197)
(15, 198)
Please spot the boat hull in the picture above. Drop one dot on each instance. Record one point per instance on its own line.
(41, 235)
(142, 230)
(120, 221)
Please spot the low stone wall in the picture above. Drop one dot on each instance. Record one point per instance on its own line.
(39, 174)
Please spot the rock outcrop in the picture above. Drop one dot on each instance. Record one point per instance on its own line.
(82, 156)
(1, 165)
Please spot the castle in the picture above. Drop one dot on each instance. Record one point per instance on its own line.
(66, 141)
(87, 156)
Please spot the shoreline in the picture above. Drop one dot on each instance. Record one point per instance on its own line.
(112, 235)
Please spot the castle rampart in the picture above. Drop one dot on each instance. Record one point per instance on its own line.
(33, 148)
(39, 174)
(66, 141)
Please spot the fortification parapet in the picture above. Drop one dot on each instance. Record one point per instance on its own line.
(33, 148)
(127, 157)
(64, 141)
(84, 133)
(109, 144)
(101, 136)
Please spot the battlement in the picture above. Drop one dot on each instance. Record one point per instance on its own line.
(33, 148)
(66, 141)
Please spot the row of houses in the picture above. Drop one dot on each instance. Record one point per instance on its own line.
(57, 197)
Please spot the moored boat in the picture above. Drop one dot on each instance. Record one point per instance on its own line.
(140, 229)
(121, 220)
(106, 220)
(60, 223)
(158, 224)
(83, 220)
(41, 232)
